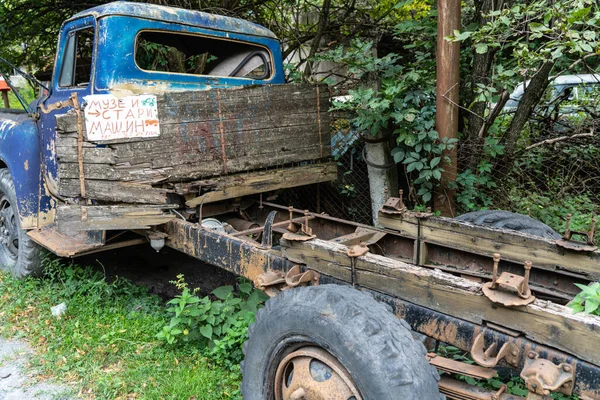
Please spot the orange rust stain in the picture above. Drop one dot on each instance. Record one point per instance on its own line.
(443, 331)
(252, 264)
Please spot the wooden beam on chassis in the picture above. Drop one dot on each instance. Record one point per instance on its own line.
(541, 321)
(513, 246)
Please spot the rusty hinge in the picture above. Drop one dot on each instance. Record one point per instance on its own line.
(542, 376)
(272, 282)
(570, 244)
(509, 289)
(489, 358)
(56, 106)
(298, 232)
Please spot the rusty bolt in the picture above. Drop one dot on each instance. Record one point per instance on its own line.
(514, 352)
(534, 386)
(566, 368)
(363, 244)
(531, 355)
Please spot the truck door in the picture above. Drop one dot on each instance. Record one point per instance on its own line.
(73, 73)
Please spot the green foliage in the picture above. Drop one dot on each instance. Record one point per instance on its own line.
(588, 300)
(104, 344)
(403, 104)
(220, 325)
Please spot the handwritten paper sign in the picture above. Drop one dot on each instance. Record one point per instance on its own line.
(108, 117)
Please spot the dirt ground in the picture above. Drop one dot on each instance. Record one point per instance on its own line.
(144, 266)
(15, 380)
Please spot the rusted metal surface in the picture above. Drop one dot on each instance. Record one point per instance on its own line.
(313, 373)
(301, 234)
(394, 205)
(457, 367)
(248, 259)
(272, 282)
(509, 289)
(358, 250)
(454, 389)
(488, 357)
(570, 244)
(65, 245)
(542, 376)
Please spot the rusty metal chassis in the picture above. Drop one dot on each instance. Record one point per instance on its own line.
(248, 258)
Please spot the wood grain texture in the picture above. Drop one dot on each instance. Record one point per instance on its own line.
(513, 246)
(83, 218)
(204, 134)
(541, 321)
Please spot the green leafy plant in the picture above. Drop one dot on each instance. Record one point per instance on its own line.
(588, 300)
(220, 325)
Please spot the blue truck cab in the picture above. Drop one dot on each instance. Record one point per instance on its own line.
(122, 48)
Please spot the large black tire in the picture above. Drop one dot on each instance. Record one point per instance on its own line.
(18, 253)
(375, 347)
(509, 220)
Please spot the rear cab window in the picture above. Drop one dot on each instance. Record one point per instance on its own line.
(182, 53)
(76, 69)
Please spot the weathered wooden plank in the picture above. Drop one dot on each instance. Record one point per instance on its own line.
(194, 168)
(541, 321)
(513, 246)
(232, 186)
(114, 191)
(91, 155)
(83, 218)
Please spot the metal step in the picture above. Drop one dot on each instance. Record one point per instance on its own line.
(64, 245)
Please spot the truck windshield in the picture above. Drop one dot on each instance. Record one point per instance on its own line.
(199, 55)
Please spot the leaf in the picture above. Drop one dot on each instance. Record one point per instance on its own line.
(434, 162)
(245, 287)
(591, 306)
(206, 331)
(222, 292)
(427, 197)
(481, 48)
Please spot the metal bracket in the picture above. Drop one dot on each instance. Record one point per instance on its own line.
(356, 251)
(394, 205)
(272, 282)
(567, 243)
(542, 376)
(509, 352)
(297, 233)
(509, 289)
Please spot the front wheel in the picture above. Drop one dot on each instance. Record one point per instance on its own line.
(18, 253)
(333, 342)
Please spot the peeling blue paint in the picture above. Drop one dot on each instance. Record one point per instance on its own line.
(113, 68)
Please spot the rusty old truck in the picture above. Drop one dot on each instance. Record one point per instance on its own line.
(178, 126)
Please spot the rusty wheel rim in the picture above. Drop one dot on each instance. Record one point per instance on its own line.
(311, 373)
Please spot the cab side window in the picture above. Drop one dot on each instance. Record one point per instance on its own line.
(77, 60)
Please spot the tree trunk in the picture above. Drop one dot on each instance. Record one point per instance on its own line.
(531, 97)
(472, 144)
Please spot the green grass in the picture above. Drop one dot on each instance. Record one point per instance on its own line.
(105, 344)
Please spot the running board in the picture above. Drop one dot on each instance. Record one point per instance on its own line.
(64, 245)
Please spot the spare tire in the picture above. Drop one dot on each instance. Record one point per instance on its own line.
(310, 342)
(509, 220)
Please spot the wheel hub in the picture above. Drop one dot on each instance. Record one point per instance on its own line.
(9, 238)
(311, 373)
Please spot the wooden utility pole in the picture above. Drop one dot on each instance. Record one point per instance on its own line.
(446, 118)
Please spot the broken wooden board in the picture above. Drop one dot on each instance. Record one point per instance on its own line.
(72, 218)
(513, 246)
(233, 186)
(65, 245)
(203, 134)
(541, 321)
